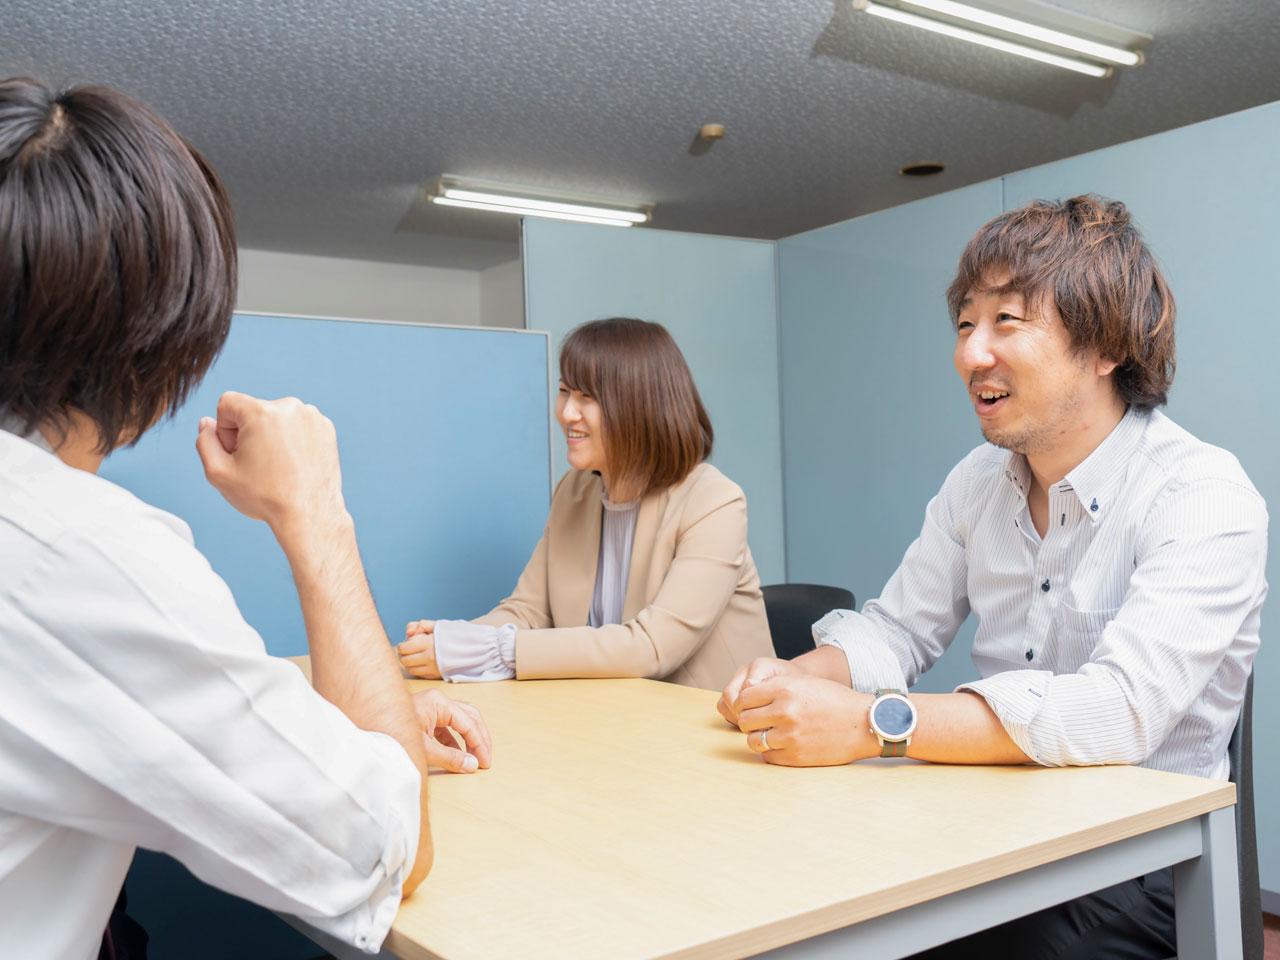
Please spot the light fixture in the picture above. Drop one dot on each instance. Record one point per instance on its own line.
(491, 198)
(1069, 50)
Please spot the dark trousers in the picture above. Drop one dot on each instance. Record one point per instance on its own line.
(1130, 921)
(123, 939)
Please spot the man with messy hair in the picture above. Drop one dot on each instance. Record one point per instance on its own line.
(1115, 565)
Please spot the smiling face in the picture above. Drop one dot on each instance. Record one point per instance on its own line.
(1032, 392)
(583, 425)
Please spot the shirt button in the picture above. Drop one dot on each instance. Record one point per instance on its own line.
(1045, 587)
(1093, 507)
(1029, 654)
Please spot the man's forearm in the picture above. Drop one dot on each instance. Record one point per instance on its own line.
(960, 728)
(352, 664)
(828, 662)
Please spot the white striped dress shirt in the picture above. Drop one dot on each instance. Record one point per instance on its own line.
(1125, 635)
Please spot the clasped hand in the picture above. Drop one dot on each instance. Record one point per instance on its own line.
(418, 650)
(274, 460)
(795, 719)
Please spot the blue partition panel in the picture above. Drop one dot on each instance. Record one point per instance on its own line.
(717, 297)
(1212, 216)
(874, 414)
(444, 444)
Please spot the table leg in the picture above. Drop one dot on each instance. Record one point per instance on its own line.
(1206, 893)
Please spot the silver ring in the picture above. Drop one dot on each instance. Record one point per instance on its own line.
(764, 740)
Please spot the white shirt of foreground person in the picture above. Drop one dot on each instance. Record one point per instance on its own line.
(1125, 635)
(137, 708)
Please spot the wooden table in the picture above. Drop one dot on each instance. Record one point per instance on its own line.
(625, 819)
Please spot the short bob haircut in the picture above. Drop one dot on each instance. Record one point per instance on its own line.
(1088, 257)
(117, 261)
(656, 429)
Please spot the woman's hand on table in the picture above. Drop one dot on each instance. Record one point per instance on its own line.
(443, 721)
(418, 650)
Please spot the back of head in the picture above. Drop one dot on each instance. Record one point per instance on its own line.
(118, 273)
(1086, 256)
(656, 428)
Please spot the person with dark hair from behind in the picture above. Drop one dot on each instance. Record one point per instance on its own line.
(1114, 562)
(137, 708)
(643, 569)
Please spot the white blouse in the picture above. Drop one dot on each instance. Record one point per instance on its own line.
(137, 708)
(468, 651)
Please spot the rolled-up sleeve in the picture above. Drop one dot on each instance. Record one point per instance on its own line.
(1200, 571)
(162, 722)
(872, 664)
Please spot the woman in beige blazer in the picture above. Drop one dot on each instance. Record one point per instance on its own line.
(643, 569)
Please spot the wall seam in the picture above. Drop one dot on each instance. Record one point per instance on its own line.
(782, 432)
(523, 243)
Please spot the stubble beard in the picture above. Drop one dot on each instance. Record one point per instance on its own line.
(1041, 434)
(1028, 441)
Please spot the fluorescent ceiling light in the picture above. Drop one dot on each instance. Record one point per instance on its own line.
(547, 206)
(1032, 31)
(450, 192)
(1005, 24)
(522, 211)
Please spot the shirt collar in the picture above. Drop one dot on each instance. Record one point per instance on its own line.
(1018, 472)
(612, 507)
(11, 424)
(1096, 480)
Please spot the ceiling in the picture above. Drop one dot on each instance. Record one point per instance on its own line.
(326, 117)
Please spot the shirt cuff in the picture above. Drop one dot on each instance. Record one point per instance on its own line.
(872, 665)
(467, 652)
(366, 926)
(1016, 697)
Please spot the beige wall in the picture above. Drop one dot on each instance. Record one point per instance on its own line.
(502, 295)
(272, 282)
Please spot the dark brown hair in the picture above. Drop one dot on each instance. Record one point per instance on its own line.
(1088, 257)
(655, 427)
(117, 261)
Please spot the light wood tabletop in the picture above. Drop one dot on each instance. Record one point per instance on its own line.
(624, 818)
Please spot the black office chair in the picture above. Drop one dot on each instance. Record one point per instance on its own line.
(793, 608)
(1240, 753)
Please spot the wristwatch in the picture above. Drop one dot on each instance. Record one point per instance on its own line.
(893, 720)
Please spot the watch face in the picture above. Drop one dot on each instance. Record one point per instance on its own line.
(894, 717)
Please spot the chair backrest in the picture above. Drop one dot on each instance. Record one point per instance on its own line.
(1240, 753)
(793, 608)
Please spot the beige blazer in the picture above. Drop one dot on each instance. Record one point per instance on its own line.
(693, 611)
